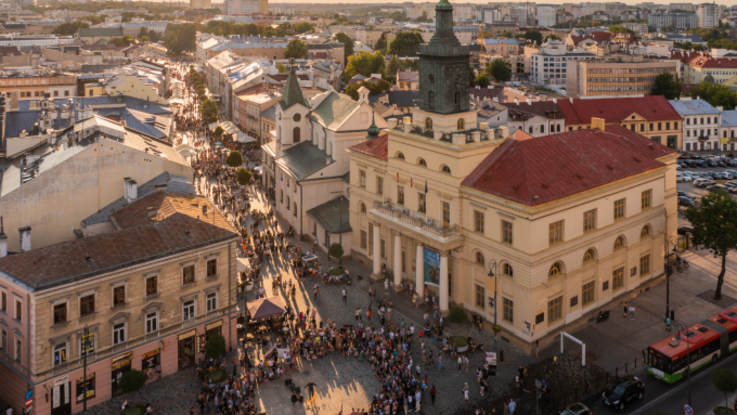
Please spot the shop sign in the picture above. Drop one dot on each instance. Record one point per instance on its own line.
(90, 383)
(187, 334)
(122, 361)
(214, 325)
(200, 344)
(61, 381)
(151, 353)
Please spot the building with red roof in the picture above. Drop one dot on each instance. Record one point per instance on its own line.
(650, 115)
(719, 70)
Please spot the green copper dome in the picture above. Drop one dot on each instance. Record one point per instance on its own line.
(444, 5)
(373, 131)
(708, 78)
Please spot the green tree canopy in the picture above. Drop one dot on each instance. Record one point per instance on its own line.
(303, 27)
(725, 381)
(244, 177)
(347, 42)
(394, 66)
(215, 347)
(209, 109)
(715, 228)
(281, 67)
(667, 85)
(70, 28)
(336, 251)
(406, 44)
(218, 131)
(132, 381)
(296, 49)
(716, 95)
(620, 29)
(235, 159)
(506, 34)
(374, 88)
(381, 43)
(498, 70)
(534, 36)
(180, 38)
(365, 64)
(121, 42)
(483, 80)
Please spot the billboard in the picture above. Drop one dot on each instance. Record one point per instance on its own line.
(432, 268)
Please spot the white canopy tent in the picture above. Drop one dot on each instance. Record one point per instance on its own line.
(233, 131)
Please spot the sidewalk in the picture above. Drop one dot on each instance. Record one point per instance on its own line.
(730, 399)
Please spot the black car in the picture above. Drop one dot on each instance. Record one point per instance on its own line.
(685, 201)
(626, 390)
(711, 162)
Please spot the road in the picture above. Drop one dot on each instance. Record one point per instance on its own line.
(660, 396)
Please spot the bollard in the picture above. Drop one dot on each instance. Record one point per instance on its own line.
(635, 363)
(625, 367)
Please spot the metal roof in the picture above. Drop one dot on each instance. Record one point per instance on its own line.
(693, 107)
(304, 159)
(334, 110)
(333, 215)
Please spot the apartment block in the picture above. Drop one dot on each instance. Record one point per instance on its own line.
(603, 78)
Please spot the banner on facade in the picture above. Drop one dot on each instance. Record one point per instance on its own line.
(432, 267)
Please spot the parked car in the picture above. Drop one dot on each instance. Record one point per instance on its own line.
(626, 390)
(685, 201)
(711, 162)
(684, 194)
(716, 188)
(577, 409)
(722, 175)
(703, 183)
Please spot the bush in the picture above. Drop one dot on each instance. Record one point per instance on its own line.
(458, 341)
(217, 376)
(244, 177)
(215, 347)
(203, 97)
(336, 271)
(212, 119)
(234, 158)
(336, 250)
(132, 381)
(457, 315)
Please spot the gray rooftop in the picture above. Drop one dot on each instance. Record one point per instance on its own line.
(304, 159)
(333, 215)
(729, 118)
(693, 107)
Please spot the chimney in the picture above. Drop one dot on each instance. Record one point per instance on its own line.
(598, 123)
(516, 101)
(571, 100)
(407, 123)
(720, 108)
(484, 126)
(555, 100)
(478, 86)
(529, 101)
(392, 123)
(130, 189)
(495, 99)
(503, 132)
(476, 136)
(25, 238)
(122, 123)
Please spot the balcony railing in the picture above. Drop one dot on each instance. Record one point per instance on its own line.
(415, 219)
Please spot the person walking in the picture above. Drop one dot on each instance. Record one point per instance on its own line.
(433, 392)
(345, 296)
(632, 313)
(440, 362)
(465, 391)
(512, 406)
(624, 307)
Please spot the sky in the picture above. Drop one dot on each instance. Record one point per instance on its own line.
(726, 3)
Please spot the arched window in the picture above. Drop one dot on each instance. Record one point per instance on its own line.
(400, 156)
(431, 77)
(457, 98)
(590, 255)
(619, 243)
(431, 100)
(363, 208)
(428, 123)
(557, 128)
(422, 162)
(278, 134)
(480, 258)
(461, 124)
(295, 209)
(555, 270)
(295, 135)
(507, 270)
(297, 117)
(445, 169)
(645, 231)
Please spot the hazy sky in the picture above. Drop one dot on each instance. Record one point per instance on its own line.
(727, 3)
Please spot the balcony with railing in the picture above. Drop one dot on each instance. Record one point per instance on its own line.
(415, 221)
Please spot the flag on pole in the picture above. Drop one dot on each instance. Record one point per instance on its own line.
(426, 185)
(411, 180)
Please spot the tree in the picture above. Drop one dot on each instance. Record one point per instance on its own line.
(667, 29)
(132, 381)
(347, 43)
(725, 381)
(715, 228)
(336, 251)
(406, 44)
(620, 29)
(374, 88)
(143, 32)
(552, 37)
(667, 85)
(218, 131)
(393, 67)
(70, 28)
(535, 36)
(235, 159)
(180, 38)
(122, 42)
(144, 39)
(209, 109)
(296, 49)
(215, 347)
(281, 67)
(716, 95)
(498, 70)
(483, 80)
(506, 34)
(244, 177)
(471, 77)
(365, 64)
(381, 43)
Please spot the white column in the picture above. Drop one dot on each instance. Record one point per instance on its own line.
(377, 251)
(420, 272)
(397, 259)
(443, 281)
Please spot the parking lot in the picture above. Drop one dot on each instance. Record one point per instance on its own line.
(697, 192)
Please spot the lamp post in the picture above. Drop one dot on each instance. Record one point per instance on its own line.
(682, 328)
(492, 274)
(85, 348)
(668, 272)
(340, 230)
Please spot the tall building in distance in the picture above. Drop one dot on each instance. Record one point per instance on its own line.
(708, 15)
(200, 4)
(546, 16)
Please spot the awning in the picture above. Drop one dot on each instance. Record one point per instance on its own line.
(176, 101)
(243, 264)
(265, 308)
(244, 138)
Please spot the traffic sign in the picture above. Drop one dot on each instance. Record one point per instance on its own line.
(688, 409)
(29, 398)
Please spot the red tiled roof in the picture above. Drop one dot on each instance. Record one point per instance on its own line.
(378, 147)
(546, 109)
(181, 226)
(597, 37)
(545, 169)
(703, 62)
(686, 55)
(408, 76)
(616, 110)
(253, 90)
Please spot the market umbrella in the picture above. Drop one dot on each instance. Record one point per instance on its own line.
(265, 308)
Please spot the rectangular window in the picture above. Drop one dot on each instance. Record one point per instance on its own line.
(587, 293)
(555, 309)
(18, 351)
(589, 220)
(647, 198)
(60, 313)
(4, 340)
(618, 278)
(119, 295)
(446, 214)
(188, 311)
(87, 305)
(212, 268)
(188, 275)
(18, 310)
(60, 354)
(618, 209)
(480, 296)
(152, 322)
(380, 185)
(404, 261)
(556, 232)
(400, 195)
(645, 265)
(508, 306)
(382, 249)
(363, 239)
(478, 221)
(421, 203)
(152, 285)
(507, 232)
(371, 240)
(362, 178)
(118, 333)
(4, 301)
(212, 302)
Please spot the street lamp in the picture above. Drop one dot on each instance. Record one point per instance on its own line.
(668, 272)
(492, 272)
(340, 230)
(682, 328)
(85, 349)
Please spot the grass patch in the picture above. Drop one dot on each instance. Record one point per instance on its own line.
(135, 410)
(720, 410)
(458, 341)
(217, 376)
(336, 271)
